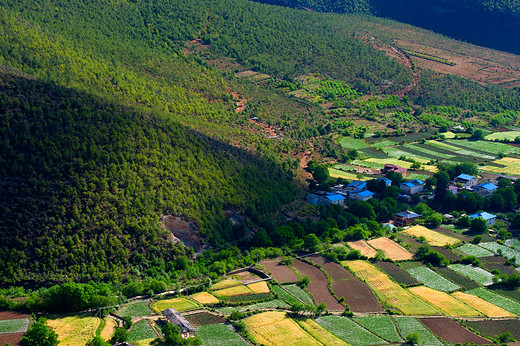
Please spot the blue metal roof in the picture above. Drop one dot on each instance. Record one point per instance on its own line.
(417, 181)
(484, 215)
(465, 177)
(488, 186)
(365, 193)
(385, 179)
(409, 184)
(334, 197)
(358, 183)
(408, 214)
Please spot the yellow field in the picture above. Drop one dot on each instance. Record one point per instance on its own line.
(320, 333)
(388, 291)
(481, 305)
(204, 298)
(74, 330)
(363, 247)
(225, 284)
(179, 304)
(511, 166)
(433, 238)
(391, 249)
(259, 287)
(404, 164)
(275, 328)
(108, 329)
(145, 342)
(448, 135)
(447, 304)
(233, 291)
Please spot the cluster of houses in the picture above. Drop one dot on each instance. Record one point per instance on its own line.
(353, 191)
(470, 183)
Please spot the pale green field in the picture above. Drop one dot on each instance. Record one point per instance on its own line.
(510, 135)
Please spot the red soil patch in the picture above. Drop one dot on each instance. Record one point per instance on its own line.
(12, 315)
(280, 272)
(318, 285)
(357, 295)
(452, 332)
(12, 338)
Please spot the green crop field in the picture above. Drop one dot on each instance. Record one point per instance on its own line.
(336, 173)
(141, 330)
(226, 310)
(179, 304)
(509, 135)
(14, 326)
(135, 309)
(494, 148)
(397, 153)
(477, 274)
(289, 298)
(353, 143)
(409, 325)
(429, 152)
(367, 164)
(502, 250)
(300, 293)
(431, 279)
(513, 243)
(496, 299)
(463, 150)
(219, 334)
(474, 250)
(275, 304)
(382, 144)
(382, 326)
(349, 331)
(419, 176)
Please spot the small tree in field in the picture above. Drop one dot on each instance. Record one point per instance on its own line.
(412, 338)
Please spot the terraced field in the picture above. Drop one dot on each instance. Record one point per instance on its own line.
(474, 250)
(391, 250)
(362, 246)
(408, 325)
(320, 333)
(432, 237)
(135, 309)
(449, 305)
(505, 303)
(280, 272)
(74, 329)
(204, 298)
(476, 274)
(349, 331)
(452, 332)
(397, 273)
(501, 250)
(486, 308)
(431, 279)
(179, 304)
(220, 335)
(382, 326)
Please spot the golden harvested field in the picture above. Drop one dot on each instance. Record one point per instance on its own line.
(179, 304)
(388, 291)
(108, 329)
(432, 238)
(275, 328)
(363, 247)
(259, 287)
(225, 284)
(447, 304)
(204, 298)
(233, 291)
(510, 166)
(391, 249)
(74, 330)
(320, 333)
(481, 305)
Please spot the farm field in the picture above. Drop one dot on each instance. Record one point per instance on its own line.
(320, 333)
(492, 328)
(397, 273)
(336, 173)
(501, 267)
(390, 292)
(505, 251)
(493, 148)
(135, 309)
(481, 305)
(232, 291)
(476, 274)
(509, 135)
(11, 338)
(513, 243)
(382, 326)
(204, 298)
(398, 152)
(280, 272)
(299, 293)
(220, 335)
(275, 328)
(513, 294)
(456, 278)
(245, 277)
(318, 285)
(204, 318)
(505, 303)
(259, 287)
(349, 331)
(357, 295)
(225, 284)
(443, 301)
(409, 242)
(108, 329)
(409, 325)
(452, 332)
(418, 176)
(363, 247)
(391, 249)
(432, 237)
(474, 250)
(450, 232)
(353, 143)
(14, 326)
(271, 304)
(179, 304)
(141, 330)
(506, 165)
(431, 279)
(74, 329)
(285, 296)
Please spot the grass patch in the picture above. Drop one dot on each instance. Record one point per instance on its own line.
(446, 303)
(219, 335)
(509, 135)
(506, 165)
(299, 293)
(409, 325)
(349, 331)
(432, 237)
(505, 303)
(382, 144)
(320, 333)
(141, 330)
(486, 308)
(259, 287)
(382, 326)
(179, 304)
(433, 280)
(352, 143)
(204, 298)
(74, 330)
(14, 326)
(135, 309)
(476, 274)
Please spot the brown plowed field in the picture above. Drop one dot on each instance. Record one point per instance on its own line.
(363, 247)
(452, 332)
(446, 252)
(280, 272)
(493, 328)
(12, 338)
(397, 273)
(318, 285)
(12, 315)
(357, 295)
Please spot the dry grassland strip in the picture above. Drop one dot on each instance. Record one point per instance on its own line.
(488, 309)
(391, 250)
(446, 303)
(225, 284)
(320, 333)
(108, 329)
(204, 298)
(363, 247)
(74, 330)
(433, 238)
(259, 287)
(388, 291)
(275, 328)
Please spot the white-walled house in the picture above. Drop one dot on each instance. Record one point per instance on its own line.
(466, 180)
(490, 218)
(362, 195)
(485, 190)
(412, 187)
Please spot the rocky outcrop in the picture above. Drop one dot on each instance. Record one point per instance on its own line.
(183, 231)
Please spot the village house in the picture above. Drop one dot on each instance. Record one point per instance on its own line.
(466, 180)
(490, 218)
(327, 198)
(412, 187)
(485, 190)
(355, 186)
(361, 195)
(405, 218)
(394, 168)
(173, 316)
